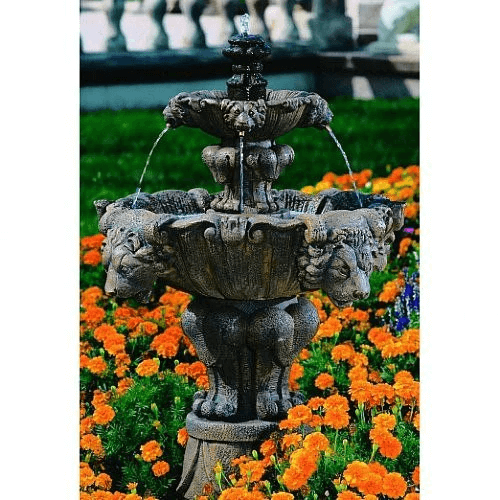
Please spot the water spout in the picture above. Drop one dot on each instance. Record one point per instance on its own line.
(244, 24)
(138, 190)
(242, 138)
(332, 135)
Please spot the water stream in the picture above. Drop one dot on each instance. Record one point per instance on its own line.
(242, 138)
(138, 190)
(332, 135)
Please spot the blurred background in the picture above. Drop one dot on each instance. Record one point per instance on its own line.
(360, 55)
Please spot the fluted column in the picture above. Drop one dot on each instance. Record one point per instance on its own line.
(256, 9)
(194, 37)
(286, 30)
(157, 10)
(114, 12)
(331, 29)
(228, 9)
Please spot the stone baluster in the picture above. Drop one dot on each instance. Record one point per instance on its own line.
(227, 9)
(285, 29)
(256, 9)
(157, 10)
(331, 29)
(114, 12)
(194, 37)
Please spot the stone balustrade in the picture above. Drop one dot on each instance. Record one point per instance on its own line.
(154, 25)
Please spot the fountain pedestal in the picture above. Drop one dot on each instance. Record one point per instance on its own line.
(212, 442)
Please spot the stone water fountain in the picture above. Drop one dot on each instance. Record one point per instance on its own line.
(246, 254)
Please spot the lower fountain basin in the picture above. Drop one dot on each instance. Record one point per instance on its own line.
(248, 256)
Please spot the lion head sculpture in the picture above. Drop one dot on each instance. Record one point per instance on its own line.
(340, 260)
(132, 255)
(244, 116)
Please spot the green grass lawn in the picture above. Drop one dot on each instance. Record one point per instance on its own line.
(114, 146)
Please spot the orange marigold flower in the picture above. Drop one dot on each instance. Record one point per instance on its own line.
(304, 354)
(348, 495)
(97, 365)
(415, 476)
(86, 425)
(385, 421)
(235, 493)
(394, 485)
(358, 373)
(103, 414)
(182, 369)
(323, 381)
(148, 328)
(282, 496)
(316, 441)
(355, 471)
(294, 478)
(300, 413)
(252, 471)
(359, 359)
(92, 242)
(92, 258)
(87, 476)
(196, 369)
(150, 451)
(268, 448)
(203, 382)
(412, 496)
(374, 376)
(296, 372)
(102, 332)
(160, 468)
(370, 484)
(336, 402)
(91, 295)
(315, 403)
(289, 440)
(360, 391)
(85, 496)
(115, 344)
(182, 436)
(411, 210)
(370, 497)
(102, 495)
(338, 419)
(390, 290)
(391, 447)
(124, 385)
(147, 368)
(103, 481)
(379, 336)
(342, 352)
(93, 443)
(404, 245)
(93, 315)
(416, 421)
(132, 496)
(377, 468)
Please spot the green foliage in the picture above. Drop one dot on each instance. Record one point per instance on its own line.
(154, 408)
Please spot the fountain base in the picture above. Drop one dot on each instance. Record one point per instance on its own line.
(211, 442)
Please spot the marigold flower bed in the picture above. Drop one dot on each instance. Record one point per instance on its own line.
(355, 437)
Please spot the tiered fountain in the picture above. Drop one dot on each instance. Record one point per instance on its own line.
(246, 255)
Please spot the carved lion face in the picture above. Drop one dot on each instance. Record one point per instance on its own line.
(129, 264)
(347, 277)
(244, 115)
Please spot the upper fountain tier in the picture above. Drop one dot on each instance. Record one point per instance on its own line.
(247, 118)
(247, 106)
